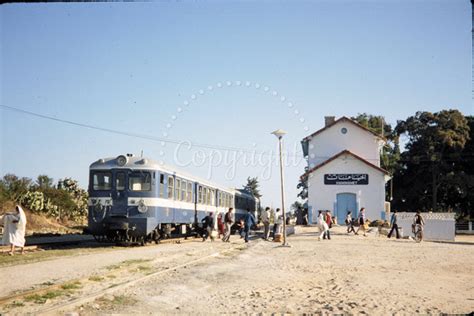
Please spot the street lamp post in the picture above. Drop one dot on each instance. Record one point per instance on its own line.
(279, 134)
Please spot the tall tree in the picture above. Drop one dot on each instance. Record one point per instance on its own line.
(434, 145)
(15, 187)
(252, 186)
(43, 181)
(303, 186)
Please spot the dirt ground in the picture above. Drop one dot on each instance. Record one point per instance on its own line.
(348, 274)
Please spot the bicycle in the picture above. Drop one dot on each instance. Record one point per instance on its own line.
(417, 230)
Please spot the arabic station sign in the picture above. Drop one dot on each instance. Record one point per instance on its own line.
(346, 178)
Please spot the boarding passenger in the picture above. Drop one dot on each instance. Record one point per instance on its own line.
(249, 222)
(323, 225)
(220, 226)
(394, 224)
(361, 221)
(207, 225)
(14, 225)
(266, 223)
(228, 220)
(241, 227)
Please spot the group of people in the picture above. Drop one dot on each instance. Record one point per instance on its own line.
(14, 228)
(418, 221)
(226, 221)
(277, 225)
(224, 225)
(351, 222)
(326, 220)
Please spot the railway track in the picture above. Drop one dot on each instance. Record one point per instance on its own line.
(90, 297)
(18, 296)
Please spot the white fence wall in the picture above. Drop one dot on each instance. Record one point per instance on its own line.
(438, 226)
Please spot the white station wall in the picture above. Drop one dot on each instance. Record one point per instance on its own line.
(332, 141)
(370, 196)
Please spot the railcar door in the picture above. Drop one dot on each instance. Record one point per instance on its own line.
(119, 193)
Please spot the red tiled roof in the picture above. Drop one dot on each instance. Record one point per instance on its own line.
(344, 152)
(344, 118)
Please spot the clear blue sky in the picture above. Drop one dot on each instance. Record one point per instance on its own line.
(130, 66)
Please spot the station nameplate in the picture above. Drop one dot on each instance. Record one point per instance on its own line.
(346, 178)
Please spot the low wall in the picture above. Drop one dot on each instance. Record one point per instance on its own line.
(438, 226)
(466, 228)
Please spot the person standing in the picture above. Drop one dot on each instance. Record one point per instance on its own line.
(275, 222)
(328, 220)
(266, 223)
(228, 220)
(249, 221)
(350, 223)
(394, 224)
(15, 229)
(323, 226)
(361, 221)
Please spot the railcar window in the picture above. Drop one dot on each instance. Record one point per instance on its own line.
(170, 188)
(120, 181)
(139, 181)
(205, 195)
(102, 181)
(200, 195)
(162, 185)
(178, 189)
(213, 197)
(231, 201)
(184, 185)
(190, 192)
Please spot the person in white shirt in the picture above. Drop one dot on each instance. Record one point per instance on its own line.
(323, 226)
(14, 225)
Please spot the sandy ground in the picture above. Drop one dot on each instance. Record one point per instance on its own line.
(349, 274)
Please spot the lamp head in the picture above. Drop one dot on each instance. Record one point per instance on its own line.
(279, 133)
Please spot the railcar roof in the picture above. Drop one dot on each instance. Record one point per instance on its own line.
(142, 163)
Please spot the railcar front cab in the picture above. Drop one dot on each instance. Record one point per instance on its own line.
(117, 200)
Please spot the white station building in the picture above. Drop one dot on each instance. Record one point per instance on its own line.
(344, 171)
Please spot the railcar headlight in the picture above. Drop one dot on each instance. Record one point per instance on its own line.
(122, 160)
(142, 208)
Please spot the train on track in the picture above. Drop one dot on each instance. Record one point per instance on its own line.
(136, 199)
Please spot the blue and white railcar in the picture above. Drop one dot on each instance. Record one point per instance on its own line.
(244, 201)
(137, 199)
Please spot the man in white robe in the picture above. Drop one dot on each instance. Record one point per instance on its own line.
(14, 228)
